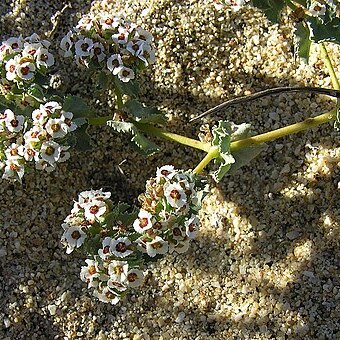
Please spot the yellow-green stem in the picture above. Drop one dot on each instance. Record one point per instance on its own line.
(328, 63)
(288, 130)
(152, 130)
(212, 154)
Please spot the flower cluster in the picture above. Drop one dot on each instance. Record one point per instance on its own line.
(21, 59)
(168, 218)
(318, 8)
(120, 241)
(24, 140)
(107, 234)
(111, 44)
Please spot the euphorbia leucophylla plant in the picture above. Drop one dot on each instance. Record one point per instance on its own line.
(37, 128)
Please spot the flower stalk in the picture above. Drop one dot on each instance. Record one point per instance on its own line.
(328, 63)
(285, 131)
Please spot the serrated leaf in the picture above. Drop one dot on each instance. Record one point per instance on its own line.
(144, 114)
(239, 131)
(77, 106)
(83, 140)
(221, 139)
(244, 156)
(124, 127)
(302, 41)
(271, 8)
(144, 146)
(130, 88)
(325, 31)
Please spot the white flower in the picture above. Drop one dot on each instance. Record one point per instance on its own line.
(89, 273)
(64, 154)
(66, 117)
(12, 152)
(83, 47)
(125, 74)
(120, 247)
(39, 117)
(56, 128)
(166, 171)
(28, 153)
(191, 226)
(97, 51)
(44, 58)
(317, 9)
(66, 45)
(175, 195)
(11, 68)
(16, 44)
(89, 195)
(118, 270)
(30, 50)
(50, 151)
(74, 237)
(134, 278)
(107, 295)
(156, 246)
(26, 70)
(13, 170)
(104, 252)
(12, 122)
(122, 36)
(143, 222)
(34, 38)
(177, 232)
(108, 23)
(50, 107)
(114, 284)
(34, 136)
(94, 209)
(146, 54)
(114, 62)
(41, 164)
(86, 22)
(144, 35)
(135, 46)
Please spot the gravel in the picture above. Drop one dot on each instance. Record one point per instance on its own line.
(266, 262)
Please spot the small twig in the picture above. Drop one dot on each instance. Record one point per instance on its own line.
(55, 20)
(269, 92)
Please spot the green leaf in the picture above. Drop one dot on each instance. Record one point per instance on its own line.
(82, 138)
(130, 88)
(244, 156)
(221, 139)
(77, 106)
(271, 8)
(144, 146)
(302, 41)
(325, 31)
(144, 114)
(239, 131)
(124, 127)
(103, 81)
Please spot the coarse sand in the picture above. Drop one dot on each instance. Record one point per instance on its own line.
(266, 262)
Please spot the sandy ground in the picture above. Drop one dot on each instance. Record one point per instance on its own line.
(266, 262)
